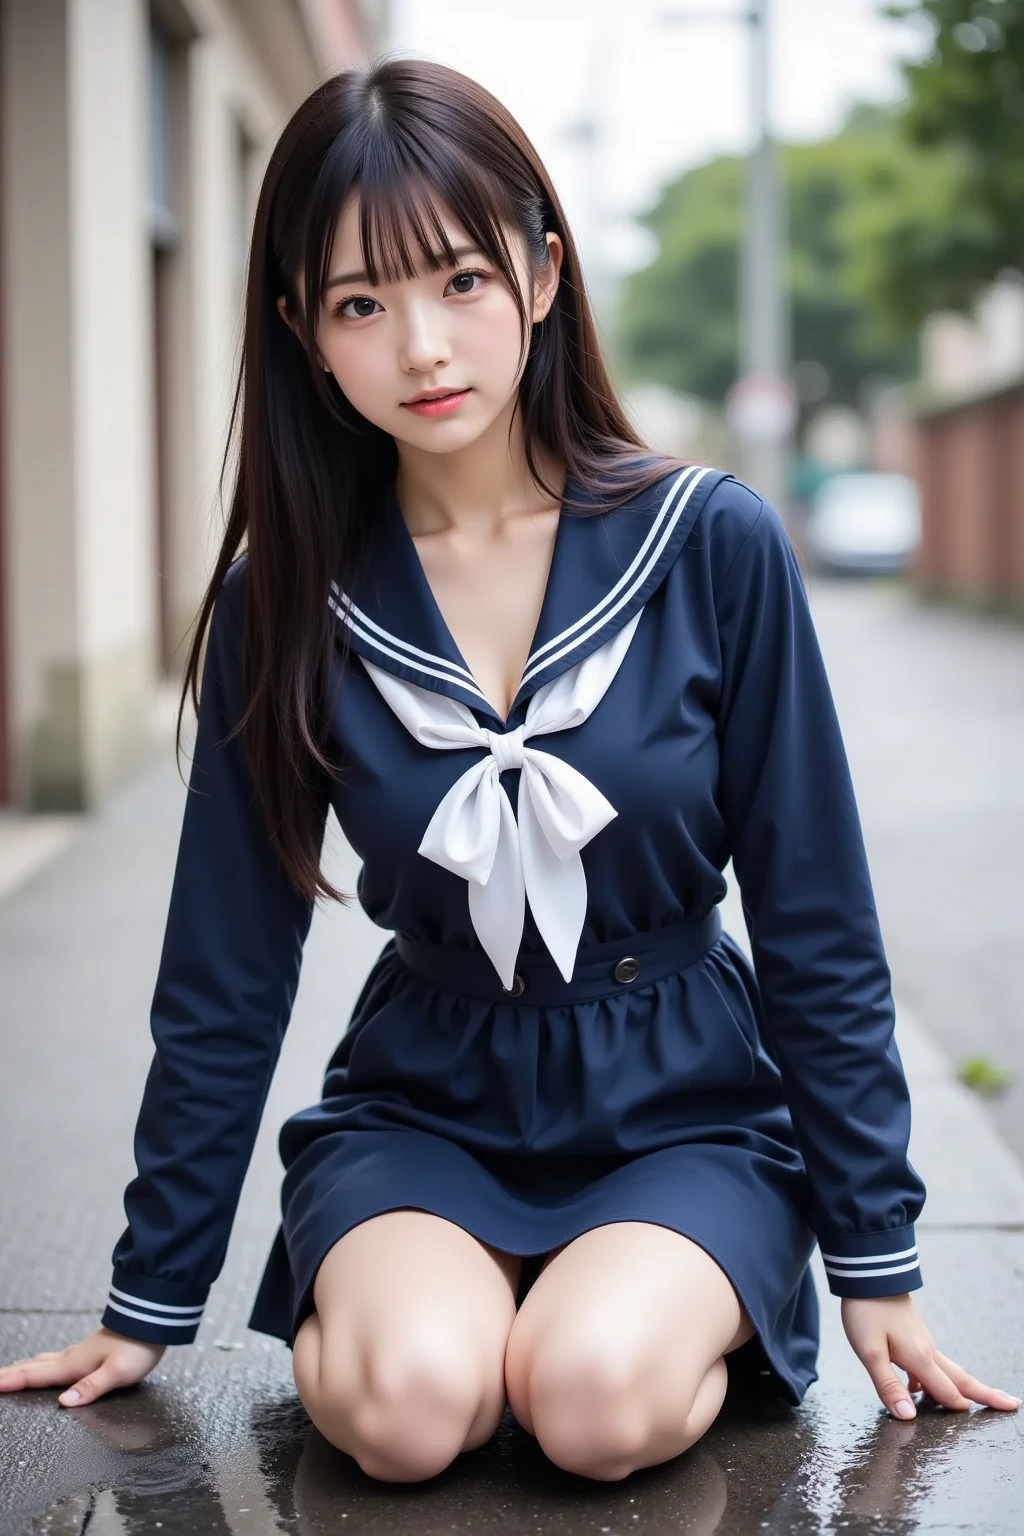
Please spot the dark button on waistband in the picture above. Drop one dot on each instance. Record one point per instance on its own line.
(518, 986)
(627, 970)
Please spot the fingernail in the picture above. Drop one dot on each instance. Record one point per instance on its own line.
(1013, 1402)
(71, 1396)
(904, 1409)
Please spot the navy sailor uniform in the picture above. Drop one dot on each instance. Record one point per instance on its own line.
(558, 1034)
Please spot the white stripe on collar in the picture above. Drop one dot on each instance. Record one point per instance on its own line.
(361, 625)
(668, 516)
(432, 665)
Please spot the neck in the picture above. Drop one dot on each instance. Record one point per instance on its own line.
(475, 488)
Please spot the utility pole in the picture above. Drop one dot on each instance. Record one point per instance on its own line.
(761, 406)
(764, 319)
(590, 133)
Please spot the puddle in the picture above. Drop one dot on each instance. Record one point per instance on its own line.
(781, 1472)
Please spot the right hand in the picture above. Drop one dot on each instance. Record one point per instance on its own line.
(98, 1364)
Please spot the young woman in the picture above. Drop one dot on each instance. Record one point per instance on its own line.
(573, 1153)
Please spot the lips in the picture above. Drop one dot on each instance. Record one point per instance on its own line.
(433, 394)
(436, 402)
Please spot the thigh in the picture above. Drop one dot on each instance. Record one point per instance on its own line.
(642, 1254)
(412, 1314)
(630, 1311)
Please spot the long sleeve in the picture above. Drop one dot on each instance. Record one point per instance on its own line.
(791, 819)
(224, 991)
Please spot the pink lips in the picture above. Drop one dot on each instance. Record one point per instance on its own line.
(440, 405)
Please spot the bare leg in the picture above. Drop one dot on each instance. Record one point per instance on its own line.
(615, 1359)
(401, 1364)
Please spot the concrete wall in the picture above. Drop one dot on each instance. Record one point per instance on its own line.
(80, 483)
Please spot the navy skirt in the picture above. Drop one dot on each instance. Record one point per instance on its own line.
(642, 1090)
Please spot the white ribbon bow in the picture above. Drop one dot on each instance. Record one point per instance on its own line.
(474, 833)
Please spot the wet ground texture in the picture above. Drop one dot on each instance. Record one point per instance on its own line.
(215, 1441)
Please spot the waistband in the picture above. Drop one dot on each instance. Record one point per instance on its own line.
(600, 970)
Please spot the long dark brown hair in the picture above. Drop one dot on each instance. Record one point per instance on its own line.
(310, 471)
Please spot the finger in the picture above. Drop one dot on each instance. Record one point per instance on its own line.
(977, 1391)
(17, 1365)
(890, 1387)
(938, 1385)
(53, 1371)
(90, 1387)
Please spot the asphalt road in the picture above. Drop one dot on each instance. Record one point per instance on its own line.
(931, 701)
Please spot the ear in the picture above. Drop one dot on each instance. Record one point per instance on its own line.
(293, 325)
(546, 284)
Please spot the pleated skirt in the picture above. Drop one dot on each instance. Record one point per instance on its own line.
(528, 1121)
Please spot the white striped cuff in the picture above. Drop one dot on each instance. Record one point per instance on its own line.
(872, 1264)
(141, 1308)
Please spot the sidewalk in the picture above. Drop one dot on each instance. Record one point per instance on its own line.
(216, 1441)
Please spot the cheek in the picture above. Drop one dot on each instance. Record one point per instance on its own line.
(364, 371)
(490, 339)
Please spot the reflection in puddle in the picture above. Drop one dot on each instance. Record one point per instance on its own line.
(878, 1480)
(775, 1470)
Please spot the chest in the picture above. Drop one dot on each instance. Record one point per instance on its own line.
(489, 593)
(649, 747)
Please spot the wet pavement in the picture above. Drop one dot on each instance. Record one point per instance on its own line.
(215, 1440)
(932, 705)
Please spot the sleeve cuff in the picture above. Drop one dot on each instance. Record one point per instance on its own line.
(871, 1263)
(154, 1311)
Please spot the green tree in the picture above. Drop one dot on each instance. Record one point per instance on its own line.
(679, 316)
(966, 106)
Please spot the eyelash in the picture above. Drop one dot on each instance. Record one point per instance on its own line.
(339, 310)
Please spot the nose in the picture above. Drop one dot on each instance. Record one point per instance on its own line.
(425, 343)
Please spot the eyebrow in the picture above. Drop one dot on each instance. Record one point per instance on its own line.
(342, 279)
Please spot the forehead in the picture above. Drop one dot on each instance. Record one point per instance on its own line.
(423, 230)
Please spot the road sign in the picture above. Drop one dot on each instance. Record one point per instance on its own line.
(761, 408)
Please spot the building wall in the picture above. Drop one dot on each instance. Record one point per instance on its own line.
(42, 594)
(970, 465)
(87, 572)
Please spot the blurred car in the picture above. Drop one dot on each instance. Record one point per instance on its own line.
(863, 521)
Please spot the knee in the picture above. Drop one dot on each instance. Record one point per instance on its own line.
(403, 1410)
(587, 1411)
(413, 1416)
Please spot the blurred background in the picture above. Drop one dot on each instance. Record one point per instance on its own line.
(803, 227)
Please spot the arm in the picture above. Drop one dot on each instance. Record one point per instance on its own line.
(224, 992)
(792, 823)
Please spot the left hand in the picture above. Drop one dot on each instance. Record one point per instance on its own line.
(888, 1330)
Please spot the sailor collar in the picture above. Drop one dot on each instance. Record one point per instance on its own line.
(604, 567)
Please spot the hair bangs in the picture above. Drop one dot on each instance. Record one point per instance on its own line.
(405, 184)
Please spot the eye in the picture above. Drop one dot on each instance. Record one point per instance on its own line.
(358, 308)
(466, 282)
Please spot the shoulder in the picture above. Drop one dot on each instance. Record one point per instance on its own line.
(725, 518)
(704, 524)
(664, 493)
(741, 530)
(228, 613)
(233, 587)
(226, 625)
(726, 509)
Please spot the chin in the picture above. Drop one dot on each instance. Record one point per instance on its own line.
(441, 436)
